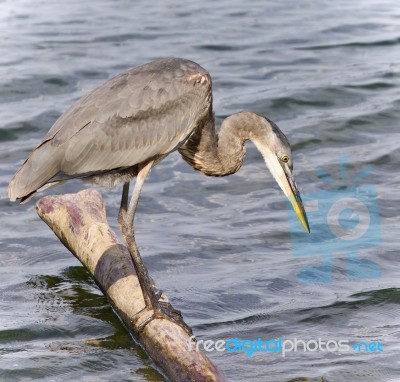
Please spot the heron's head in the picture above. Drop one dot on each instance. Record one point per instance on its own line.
(275, 148)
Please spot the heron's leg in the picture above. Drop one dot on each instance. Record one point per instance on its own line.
(124, 205)
(126, 221)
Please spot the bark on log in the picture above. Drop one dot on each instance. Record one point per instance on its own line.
(79, 220)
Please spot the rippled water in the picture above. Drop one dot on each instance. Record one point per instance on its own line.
(224, 250)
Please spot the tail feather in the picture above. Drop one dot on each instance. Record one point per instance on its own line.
(37, 170)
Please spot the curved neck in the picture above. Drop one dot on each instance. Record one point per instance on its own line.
(223, 153)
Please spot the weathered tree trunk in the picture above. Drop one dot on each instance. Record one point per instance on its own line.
(79, 220)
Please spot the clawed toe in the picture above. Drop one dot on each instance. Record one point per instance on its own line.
(162, 310)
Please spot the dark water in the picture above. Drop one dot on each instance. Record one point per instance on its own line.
(226, 251)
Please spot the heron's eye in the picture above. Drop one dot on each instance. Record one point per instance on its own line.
(285, 158)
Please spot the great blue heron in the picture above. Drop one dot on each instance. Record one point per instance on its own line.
(121, 129)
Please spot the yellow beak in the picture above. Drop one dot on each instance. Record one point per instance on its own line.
(289, 187)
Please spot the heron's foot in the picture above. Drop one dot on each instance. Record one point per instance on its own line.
(162, 310)
(154, 304)
(166, 311)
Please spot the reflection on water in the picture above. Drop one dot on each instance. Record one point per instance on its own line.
(223, 250)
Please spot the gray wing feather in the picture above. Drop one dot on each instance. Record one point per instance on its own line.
(140, 114)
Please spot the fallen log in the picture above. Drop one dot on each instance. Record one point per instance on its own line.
(79, 221)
